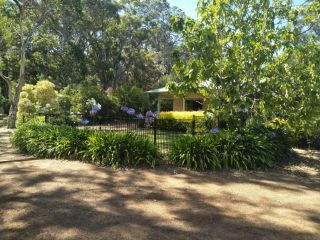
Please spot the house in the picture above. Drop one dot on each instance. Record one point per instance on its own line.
(169, 102)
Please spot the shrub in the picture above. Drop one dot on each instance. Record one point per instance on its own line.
(108, 149)
(243, 150)
(133, 97)
(117, 149)
(44, 140)
(181, 115)
(198, 153)
(174, 125)
(237, 149)
(278, 131)
(181, 121)
(38, 98)
(74, 98)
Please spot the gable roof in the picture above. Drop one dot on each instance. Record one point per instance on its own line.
(159, 90)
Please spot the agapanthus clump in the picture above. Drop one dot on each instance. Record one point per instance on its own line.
(95, 109)
(214, 130)
(131, 111)
(94, 106)
(84, 121)
(272, 135)
(124, 109)
(150, 116)
(140, 116)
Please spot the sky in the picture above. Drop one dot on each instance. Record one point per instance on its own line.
(189, 6)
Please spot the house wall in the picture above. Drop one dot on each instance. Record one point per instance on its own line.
(178, 104)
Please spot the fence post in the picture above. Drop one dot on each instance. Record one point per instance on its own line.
(193, 127)
(155, 131)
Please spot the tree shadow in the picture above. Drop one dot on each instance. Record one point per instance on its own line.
(88, 202)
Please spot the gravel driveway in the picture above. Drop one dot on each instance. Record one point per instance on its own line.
(53, 199)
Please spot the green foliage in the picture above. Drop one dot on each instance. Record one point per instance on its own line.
(34, 97)
(117, 42)
(108, 149)
(49, 141)
(171, 124)
(133, 97)
(181, 115)
(198, 153)
(74, 99)
(241, 149)
(183, 121)
(266, 60)
(116, 149)
(278, 132)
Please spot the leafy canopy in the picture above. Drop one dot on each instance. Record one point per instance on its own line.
(258, 57)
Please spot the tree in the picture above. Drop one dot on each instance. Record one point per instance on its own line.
(235, 48)
(5, 35)
(108, 42)
(295, 74)
(136, 48)
(28, 20)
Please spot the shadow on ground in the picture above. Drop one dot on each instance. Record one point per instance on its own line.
(50, 199)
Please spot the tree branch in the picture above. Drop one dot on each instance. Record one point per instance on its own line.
(5, 78)
(18, 4)
(37, 25)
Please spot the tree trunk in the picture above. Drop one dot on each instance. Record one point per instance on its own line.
(14, 104)
(8, 87)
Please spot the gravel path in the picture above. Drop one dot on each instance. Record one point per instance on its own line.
(51, 199)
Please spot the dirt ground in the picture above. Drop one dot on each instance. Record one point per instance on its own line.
(51, 199)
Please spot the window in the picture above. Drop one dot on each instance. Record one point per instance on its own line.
(194, 104)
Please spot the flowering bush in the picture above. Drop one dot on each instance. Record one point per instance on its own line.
(94, 107)
(214, 130)
(149, 117)
(84, 122)
(89, 100)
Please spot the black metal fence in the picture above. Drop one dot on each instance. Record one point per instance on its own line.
(162, 132)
